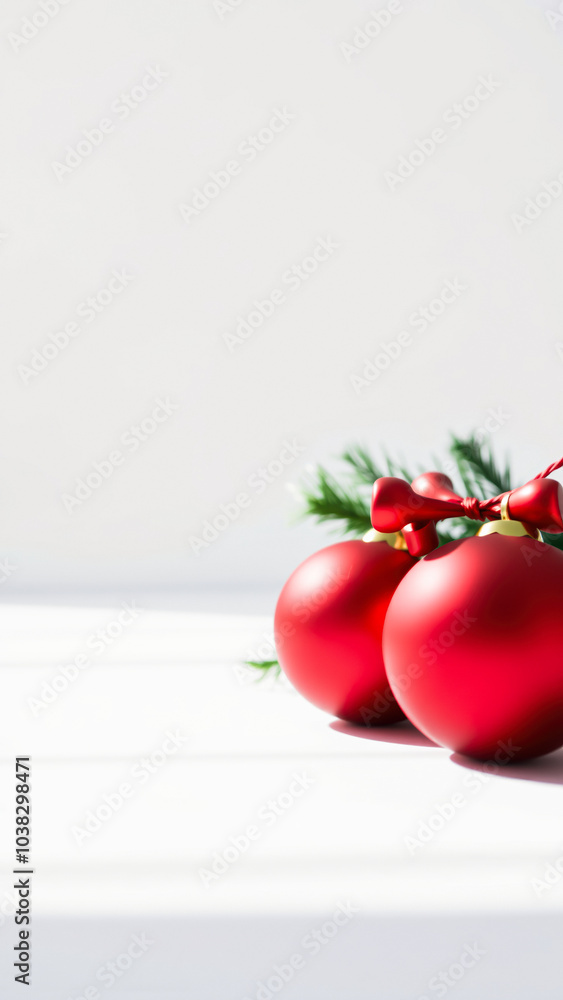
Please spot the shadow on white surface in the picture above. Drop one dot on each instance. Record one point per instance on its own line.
(548, 769)
(403, 733)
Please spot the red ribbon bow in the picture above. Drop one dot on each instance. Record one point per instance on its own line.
(396, 506)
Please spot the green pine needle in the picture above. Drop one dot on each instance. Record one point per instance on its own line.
(328, 500)
(396, 469)
(478, 468)
(264, 668)
(364, 468)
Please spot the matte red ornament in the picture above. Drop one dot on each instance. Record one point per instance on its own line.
(473, 646)
(328, 627)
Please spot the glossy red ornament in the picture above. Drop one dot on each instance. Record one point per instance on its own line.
(473, 646)
(328, 626)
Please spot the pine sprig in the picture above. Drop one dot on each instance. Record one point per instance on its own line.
(478, 468)
(328, 500)
(397, 469)
(264, 668)
(365, 471)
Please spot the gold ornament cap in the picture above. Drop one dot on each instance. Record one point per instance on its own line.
(514, 528)
(517, 529)
(393, 538)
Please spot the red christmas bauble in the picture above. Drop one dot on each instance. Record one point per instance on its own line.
(328, 626)
(473, 646)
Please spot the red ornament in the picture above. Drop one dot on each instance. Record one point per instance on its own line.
(328, 626)
(473, 645)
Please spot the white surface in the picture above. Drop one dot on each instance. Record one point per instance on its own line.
(342, 840)
(495, 348)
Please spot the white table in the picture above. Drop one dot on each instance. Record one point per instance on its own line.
(407, 912)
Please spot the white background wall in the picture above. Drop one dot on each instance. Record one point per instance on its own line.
(324, 175)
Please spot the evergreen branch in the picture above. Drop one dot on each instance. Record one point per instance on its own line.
(264, 668)
(327, 500)
(396, 469)
(477, 462)
(364, 468)
(470, 487)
